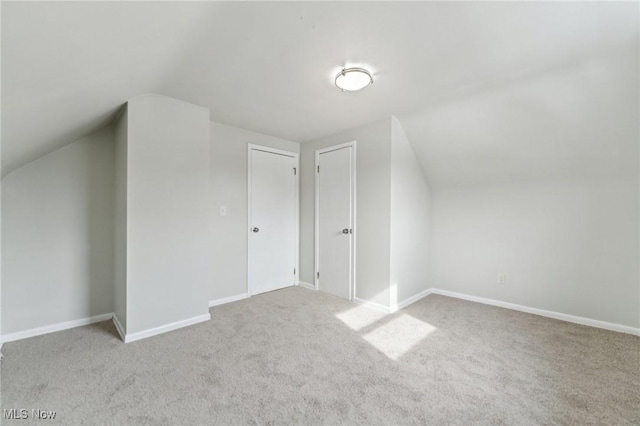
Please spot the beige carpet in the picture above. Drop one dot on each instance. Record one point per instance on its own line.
(296, 356)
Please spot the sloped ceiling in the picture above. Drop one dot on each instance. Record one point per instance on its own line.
(487, 92)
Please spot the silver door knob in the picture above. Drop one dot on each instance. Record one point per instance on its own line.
(256, 229)
(345, 231)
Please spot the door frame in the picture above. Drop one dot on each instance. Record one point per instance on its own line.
(352, 251)
(296, 156)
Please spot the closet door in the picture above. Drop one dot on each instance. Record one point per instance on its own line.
(335, 194)
(273, 219)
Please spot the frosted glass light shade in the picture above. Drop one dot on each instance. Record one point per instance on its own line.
(352, 79)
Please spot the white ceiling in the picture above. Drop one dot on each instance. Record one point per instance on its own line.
(487, 92)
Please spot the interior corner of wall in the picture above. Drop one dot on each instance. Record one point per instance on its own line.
(121, 111)
(393, 294)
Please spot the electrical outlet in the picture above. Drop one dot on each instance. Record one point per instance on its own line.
(502, 278)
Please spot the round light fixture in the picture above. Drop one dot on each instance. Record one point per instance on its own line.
(353, 79)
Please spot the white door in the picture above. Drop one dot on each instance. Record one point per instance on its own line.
(273, 220)
(334, 220)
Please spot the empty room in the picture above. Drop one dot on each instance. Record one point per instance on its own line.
(320, 213)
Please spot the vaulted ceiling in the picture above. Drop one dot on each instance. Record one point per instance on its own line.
(487, 92)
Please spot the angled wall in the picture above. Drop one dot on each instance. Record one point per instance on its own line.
(537, 179)
(410, 220)
(57, 236)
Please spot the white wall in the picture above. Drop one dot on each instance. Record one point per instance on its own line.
(228, 187)
(92, 180)
(410, 219)
(0, 209)
(57, 236)
(373, 164)
(570, 247)
(168, 212)
(120, 219)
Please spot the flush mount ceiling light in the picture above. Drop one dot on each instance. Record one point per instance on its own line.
(353, 79)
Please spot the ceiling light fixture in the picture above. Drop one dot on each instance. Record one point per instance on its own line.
(353, 79)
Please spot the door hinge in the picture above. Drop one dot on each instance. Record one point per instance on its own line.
(318, 169)
(294, 171)
(318, 275)
(294, 271)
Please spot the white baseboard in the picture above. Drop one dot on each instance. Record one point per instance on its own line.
(549, 314)
(409, 300)
(229, 299)
(389, 310)
(19, 335)
(119, 328)
(132, 337)
(306, 285)
(372, 305)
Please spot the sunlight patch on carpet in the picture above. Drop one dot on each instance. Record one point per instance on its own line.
(399, 335)
(359, 317)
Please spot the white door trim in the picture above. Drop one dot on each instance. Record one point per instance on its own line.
(296, 157)
(352, 278)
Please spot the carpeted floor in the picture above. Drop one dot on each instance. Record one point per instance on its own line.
(297, 356)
